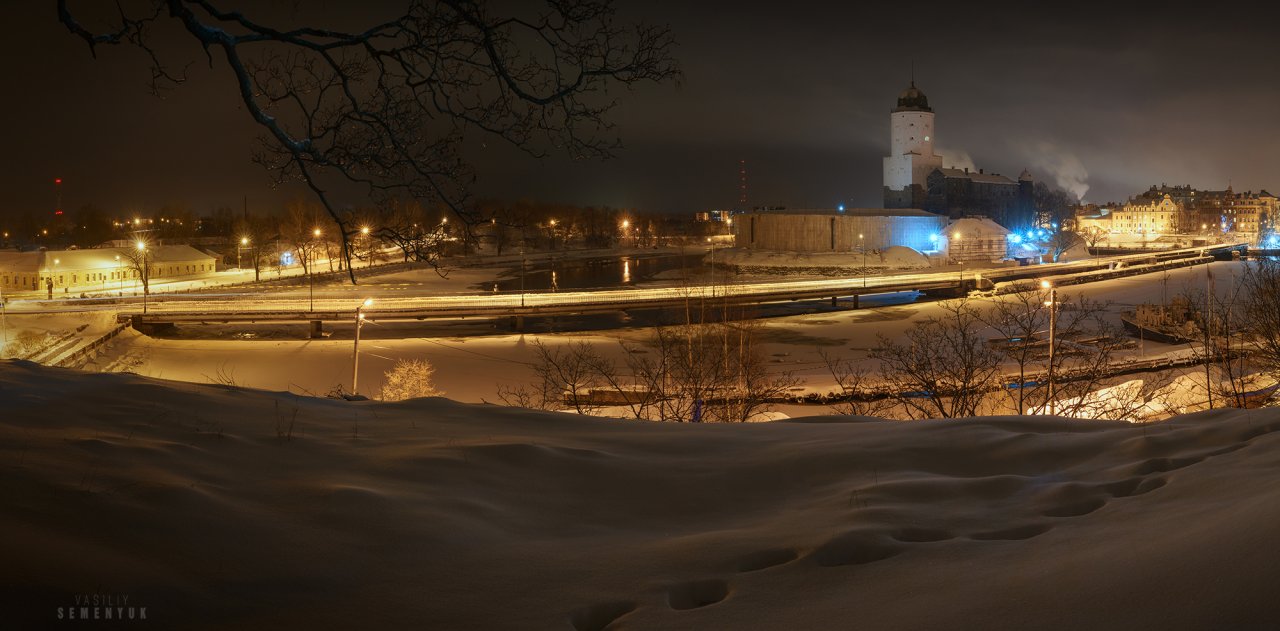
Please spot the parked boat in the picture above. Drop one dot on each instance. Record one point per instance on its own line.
(1171, 324)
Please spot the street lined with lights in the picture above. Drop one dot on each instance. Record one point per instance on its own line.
(265, 306)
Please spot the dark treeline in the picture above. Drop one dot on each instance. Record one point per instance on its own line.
(506, 224)
(418, 232)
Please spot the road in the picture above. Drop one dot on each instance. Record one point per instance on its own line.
(390, 302)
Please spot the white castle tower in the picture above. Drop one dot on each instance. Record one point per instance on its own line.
(911, 158)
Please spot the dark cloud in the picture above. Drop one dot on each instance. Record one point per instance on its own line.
(1130, 95)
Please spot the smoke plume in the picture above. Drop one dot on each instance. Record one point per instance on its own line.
(956, 159)
(1063, 166)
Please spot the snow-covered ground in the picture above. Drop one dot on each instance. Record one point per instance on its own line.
(470, 367)
(215, 507)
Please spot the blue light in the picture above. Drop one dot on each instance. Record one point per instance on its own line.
(1055, 226)
(1015, 237)
(286, 258)
(1031, 236)
(933, 238)
(840, 208)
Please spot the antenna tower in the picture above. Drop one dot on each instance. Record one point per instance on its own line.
(742, 184)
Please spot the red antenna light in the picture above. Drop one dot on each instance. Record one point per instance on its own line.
(57, 180)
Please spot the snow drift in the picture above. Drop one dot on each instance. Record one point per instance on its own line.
(218, 507)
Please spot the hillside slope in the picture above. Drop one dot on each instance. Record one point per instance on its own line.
(194, 501)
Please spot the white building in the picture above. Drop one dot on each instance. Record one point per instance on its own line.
(976, 239)
(911, 158)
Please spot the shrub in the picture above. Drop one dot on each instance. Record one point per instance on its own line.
(409, 379)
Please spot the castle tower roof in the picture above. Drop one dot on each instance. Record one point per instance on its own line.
(913, 100)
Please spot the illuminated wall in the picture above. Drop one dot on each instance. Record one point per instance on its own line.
(836, 232)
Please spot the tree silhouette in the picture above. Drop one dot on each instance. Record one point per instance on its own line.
(388, 106)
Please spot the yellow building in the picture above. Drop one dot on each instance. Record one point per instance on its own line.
(1147, 217)
(97, 268)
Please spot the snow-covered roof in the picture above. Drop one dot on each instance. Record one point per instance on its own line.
(976, 227)
(852, 212)
(95, 258)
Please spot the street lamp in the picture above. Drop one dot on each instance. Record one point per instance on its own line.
(955, 240)
(311, 271)
(864, 260)
(120, 272)
(355, 351)
(1053, 331)
(146, 286)
(552, 223)
(4, 324)
(364, 232)
(244, 241)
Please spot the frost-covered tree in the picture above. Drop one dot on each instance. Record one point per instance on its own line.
(409, 379)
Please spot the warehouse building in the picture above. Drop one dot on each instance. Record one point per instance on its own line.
(835, 230)
(97, 268)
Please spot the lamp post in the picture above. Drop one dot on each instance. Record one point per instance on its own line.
(244, 242)
(1053, 331)
(4, 324)
(311, 269)
(552, 223)
(863, 247)
(955, 240)
(355, 350)
(368, 243)
(146, 286)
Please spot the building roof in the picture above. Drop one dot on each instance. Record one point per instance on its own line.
(851, 212)
(13, 261)
(976, 176)
(94, 258)
(976, 227)
(912, 100)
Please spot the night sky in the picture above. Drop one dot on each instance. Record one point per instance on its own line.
(1099, 100)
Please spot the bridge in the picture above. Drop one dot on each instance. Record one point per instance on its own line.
(197, 309)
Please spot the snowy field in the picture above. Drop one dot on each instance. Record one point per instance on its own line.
(217, 508)
(473, 358)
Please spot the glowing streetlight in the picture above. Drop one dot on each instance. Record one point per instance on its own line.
(364, 232)
(311, 272)
(244, 241)
(355, 351)
(146, 286)
(1052, 303)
